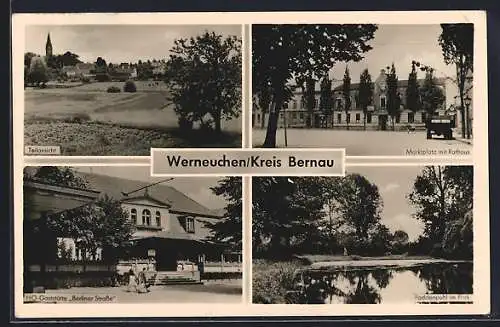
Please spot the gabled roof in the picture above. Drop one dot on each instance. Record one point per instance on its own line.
(114, 186)
(146, 197)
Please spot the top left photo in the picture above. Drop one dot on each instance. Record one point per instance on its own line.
(119, 90)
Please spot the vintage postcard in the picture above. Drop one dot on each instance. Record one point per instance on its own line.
(250, 164)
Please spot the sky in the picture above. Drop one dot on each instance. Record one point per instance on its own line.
(197, 188)
(394, 184)
(116, 43)
(399, 44)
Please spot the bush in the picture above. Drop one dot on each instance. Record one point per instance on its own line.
(114, 89)
(129, 87)
(85, 80)
(272, 281)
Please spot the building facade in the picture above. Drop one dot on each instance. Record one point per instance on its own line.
(295, 114)
(171, 230)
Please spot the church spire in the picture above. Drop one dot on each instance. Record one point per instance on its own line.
(48, 46)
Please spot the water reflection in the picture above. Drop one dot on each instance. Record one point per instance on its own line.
(380, 285)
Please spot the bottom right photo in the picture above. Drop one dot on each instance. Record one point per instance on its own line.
(378, 235)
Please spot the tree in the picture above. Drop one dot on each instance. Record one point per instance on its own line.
(457, 44)
(442, 196)
(412, 91)
(229, 228)
(61, 176)
(204, 76)
(101, 225)
(101, 70)
(69, 59)
(309, 97)
(263, 95)
(346, 93)
(282, 52)
(38, 73)
(400, 240)
(359, 204)
(27, 58)
(365, 93)
(326, 98)
(286, 214)
(432, 96)
(393, 99)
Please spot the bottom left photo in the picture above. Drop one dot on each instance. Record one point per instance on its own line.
(118, 234)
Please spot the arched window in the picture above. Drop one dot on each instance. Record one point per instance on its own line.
(133, 216)
(158, 219)
(146, 217)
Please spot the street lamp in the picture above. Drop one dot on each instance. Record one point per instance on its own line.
(467, 101)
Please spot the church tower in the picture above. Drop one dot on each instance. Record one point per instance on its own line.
(48, 47)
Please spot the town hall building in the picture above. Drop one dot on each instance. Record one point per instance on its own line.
(295, 114)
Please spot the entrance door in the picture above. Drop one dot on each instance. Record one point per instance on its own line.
(166, 260)
(382, 120)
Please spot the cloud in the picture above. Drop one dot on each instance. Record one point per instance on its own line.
(406, 223)
(389, 188)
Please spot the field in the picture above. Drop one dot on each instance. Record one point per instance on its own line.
(86, 120)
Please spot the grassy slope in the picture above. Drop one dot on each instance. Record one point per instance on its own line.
(86, 120)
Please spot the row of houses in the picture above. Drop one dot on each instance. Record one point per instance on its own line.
(295, 114)
(169, 228)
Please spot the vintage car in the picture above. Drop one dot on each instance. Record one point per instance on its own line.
(440, 125)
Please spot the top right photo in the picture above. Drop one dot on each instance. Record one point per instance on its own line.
(398, 90)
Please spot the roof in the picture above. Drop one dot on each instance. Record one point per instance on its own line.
(401, 83)
(114, 186)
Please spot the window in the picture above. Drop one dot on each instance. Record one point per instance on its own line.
(423, 117)
(301, 116)
(398, 118)
(133, 216)
(315, 103)
(285, 105)
(303, 103)
(294, 104)
(190, 224)
(411, 118)
(146, 217)
(158, 219)
(339, 118)
(369, 117)
(348, 118)
(294, 115)
(358, 118)
(382, 102)
(339, 104)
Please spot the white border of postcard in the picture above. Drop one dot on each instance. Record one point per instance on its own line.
(480, 160)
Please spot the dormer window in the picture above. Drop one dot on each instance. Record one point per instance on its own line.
(146, 217)
(158, 218)
(190, 224)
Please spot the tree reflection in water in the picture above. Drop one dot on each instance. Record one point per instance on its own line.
(363, 286)
(446, 278)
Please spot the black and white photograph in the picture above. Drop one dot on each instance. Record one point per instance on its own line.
(122, 89)
(117, 233)
(401, 90)
(379, 235)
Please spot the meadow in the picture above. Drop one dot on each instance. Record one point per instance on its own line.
(86, 120)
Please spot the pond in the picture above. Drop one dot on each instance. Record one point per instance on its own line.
(372, 285)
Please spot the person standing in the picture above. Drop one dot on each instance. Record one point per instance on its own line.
(132, 281)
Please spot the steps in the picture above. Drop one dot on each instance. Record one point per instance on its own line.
(174, 278)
